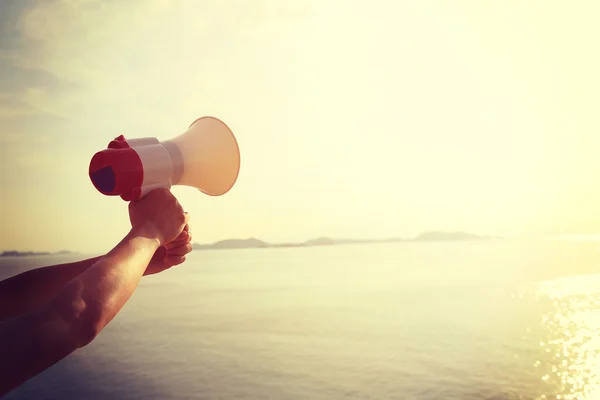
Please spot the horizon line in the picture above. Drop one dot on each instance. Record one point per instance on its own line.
(588, 237)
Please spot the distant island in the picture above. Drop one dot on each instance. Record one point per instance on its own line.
(14, 253)
(253, 243)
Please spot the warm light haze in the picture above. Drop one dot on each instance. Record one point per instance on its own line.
(354, 119)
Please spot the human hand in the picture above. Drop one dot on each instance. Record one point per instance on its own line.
(158, 216)
(171, 254)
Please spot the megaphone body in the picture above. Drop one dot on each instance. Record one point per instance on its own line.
(206, 157)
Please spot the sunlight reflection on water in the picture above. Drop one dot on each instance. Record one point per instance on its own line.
(571, 369)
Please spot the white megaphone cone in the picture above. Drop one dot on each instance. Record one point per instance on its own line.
(206, 157)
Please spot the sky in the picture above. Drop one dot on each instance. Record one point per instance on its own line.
(354, 119)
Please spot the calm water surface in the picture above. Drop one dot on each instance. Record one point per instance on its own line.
(464, 320)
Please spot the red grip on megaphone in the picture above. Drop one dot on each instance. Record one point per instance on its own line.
(117, 172)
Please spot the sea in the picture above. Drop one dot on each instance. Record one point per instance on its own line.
(486, 320)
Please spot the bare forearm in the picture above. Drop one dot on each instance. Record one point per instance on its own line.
(31, 342)
(101, 292)
(28, 290)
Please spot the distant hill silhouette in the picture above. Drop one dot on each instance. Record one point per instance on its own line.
(232, 244)
(326, 241)
(322, 241)
(253, 243)
(14, 253)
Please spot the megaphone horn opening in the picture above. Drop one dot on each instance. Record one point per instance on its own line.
(211, 156)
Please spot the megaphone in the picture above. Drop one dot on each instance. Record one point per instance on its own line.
(206, 156)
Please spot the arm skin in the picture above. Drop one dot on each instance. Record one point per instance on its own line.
(29, 290)
(32, 342)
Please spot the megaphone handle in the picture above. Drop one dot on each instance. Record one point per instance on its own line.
(148, 188)
(143, 191)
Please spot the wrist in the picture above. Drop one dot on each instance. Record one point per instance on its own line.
(148, 233)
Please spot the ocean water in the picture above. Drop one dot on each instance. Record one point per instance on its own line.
(455, 320)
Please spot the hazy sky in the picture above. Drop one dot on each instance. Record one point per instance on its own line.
(354, 119)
